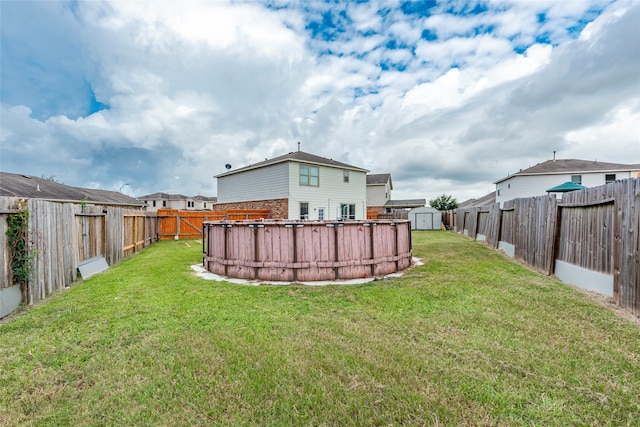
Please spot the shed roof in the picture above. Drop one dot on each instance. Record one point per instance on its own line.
(406, 203)
(32, 187)
(299, 156)
(566, 166)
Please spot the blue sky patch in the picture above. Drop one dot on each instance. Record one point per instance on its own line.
(420, 8)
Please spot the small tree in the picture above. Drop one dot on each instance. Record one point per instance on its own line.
(444, 203)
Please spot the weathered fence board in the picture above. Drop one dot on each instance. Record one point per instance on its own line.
(61, 235)
(8, 206)
(597, 229)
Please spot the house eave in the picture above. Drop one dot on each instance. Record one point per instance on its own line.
(264, 165)
(569, 172)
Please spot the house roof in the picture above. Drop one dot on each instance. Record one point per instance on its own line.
(379, 179)
(32, 187)
(297, 156)
(407, 203)
(566, 166)
(205, 198)
(164, 196)
(486, 200)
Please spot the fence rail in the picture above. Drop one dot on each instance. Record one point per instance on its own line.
(593, 230)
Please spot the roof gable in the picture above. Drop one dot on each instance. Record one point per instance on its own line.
(567, 166)
(31, 187)
(379, 179)
(296, 156)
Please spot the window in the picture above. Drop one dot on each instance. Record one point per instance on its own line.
(205, 205)
(164, 203)
(576, 179)
(304, 210)
(320, 214)
(499, 189)
(609, 178)
(347, 211)
(309, 175)
(154, 203)
(345, 176)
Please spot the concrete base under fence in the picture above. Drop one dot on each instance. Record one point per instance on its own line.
(10, 299)
(508, 248)
(583, 278)
(92, 266)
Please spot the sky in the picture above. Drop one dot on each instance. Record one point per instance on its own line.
(448, 97)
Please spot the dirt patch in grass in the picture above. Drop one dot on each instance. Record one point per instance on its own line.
(610, 303)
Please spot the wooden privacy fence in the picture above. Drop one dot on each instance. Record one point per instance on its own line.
(306, 251)
(188, 224)
(593, 230)
(62, 235)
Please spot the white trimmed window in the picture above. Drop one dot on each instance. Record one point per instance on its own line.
(309, 176)
(304, 210)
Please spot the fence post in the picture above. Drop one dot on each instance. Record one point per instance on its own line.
(372, 248)
(553, 230)
(177, 227)
(256, 253)
(336, 259)
(134, 236)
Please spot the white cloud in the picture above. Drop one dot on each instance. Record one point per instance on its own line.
(195, 85)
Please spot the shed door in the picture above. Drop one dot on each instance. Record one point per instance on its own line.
(424, 221)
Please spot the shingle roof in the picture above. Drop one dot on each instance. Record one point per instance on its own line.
(163, 196)
(32, 187)
(166, 196)
(379, 179)
(565, 166)
(299, 156)
(205, 198)
(486, 200)
(407, 203)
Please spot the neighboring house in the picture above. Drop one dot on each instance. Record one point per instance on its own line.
(32, 187)
(379, 186)
(536, 180)
(157, 201)
(486, 200)
(296, 185)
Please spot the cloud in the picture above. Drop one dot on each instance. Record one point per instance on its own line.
(446, 97)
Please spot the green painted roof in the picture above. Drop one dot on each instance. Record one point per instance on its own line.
(566, 187)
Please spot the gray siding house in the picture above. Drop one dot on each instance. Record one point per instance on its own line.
(297, 185)
(536, 180)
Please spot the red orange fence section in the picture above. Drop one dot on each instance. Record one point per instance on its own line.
(176, 224)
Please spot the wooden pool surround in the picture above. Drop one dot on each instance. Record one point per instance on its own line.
(306, 251)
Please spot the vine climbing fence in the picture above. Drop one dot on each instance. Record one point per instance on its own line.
(59, 236)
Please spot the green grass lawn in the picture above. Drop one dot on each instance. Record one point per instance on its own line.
(470, 338)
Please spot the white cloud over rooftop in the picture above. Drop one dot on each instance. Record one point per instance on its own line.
(448, 98)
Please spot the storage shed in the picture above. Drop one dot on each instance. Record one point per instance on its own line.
(425, 218)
